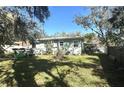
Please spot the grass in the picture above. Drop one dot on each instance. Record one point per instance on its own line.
(44, 70)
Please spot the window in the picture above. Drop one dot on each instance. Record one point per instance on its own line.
(76, 43)
(61, 43)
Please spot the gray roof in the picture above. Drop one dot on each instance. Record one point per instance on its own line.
(61, 38)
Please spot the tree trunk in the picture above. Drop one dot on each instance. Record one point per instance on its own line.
(1, 52)
(107, 47)
(33, 45)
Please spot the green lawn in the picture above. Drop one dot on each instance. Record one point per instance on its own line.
(45, 70)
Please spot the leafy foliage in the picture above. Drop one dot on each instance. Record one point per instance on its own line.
(16, 23)
(96, 21)
(89, 37)
(117, 21)
(49, 46)
(64, 34)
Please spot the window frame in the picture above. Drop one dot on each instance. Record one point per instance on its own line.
(76, 43)
(61, 42)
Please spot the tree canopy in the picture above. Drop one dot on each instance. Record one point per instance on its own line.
(89, 37)
(97, 21)
(19, 22)
(106, 22)
(117, 22)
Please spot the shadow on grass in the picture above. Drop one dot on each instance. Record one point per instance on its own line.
(26, 70)
(96, 66)
(114, 77)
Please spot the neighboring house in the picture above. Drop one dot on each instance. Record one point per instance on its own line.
(19, 44)
(22, 43)
(65, 45)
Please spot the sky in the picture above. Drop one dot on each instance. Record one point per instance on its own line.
(62, 19)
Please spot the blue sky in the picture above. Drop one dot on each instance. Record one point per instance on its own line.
(62, 17)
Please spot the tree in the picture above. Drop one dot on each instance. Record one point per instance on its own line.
(117, 21)
(64, 34)
(89, 37)
(61, 34)
(41, 13)
(78, 33)
(97, 21)
(37, 35)
(6, 31)
(17, 22)
(49, 46)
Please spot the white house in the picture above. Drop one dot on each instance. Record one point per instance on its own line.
(66, 45)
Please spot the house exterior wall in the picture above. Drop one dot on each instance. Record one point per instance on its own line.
(64, 46)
